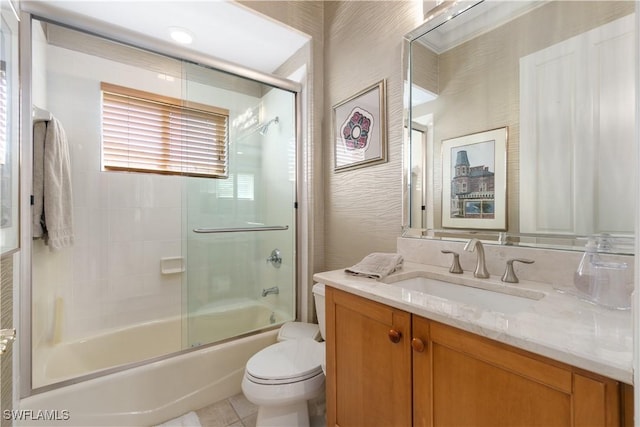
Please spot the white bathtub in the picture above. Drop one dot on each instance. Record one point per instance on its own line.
(153, 392)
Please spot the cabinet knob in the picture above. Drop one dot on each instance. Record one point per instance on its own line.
(394, 336)
(418, 345)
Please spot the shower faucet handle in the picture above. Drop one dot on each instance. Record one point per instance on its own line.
(275, 258)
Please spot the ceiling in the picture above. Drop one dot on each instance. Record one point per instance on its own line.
(221, 29)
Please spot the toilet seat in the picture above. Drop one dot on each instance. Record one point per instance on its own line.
(286, 362)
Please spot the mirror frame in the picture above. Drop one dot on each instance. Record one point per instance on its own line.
(436, 17)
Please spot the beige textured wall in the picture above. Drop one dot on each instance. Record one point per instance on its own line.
(363, 45)
(424, 64)
(6, 322)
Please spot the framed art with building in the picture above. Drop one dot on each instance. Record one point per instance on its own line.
(474, 181)
(360, 129)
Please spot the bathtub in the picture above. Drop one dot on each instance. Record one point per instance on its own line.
(153, 392)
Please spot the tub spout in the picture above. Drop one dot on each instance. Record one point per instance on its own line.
(273, 290)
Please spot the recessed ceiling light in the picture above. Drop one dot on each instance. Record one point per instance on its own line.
(180, 35)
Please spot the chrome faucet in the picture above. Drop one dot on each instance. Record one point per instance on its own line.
(274, 290)
(481, 268)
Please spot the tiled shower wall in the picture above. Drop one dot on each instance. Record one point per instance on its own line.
(124, 222)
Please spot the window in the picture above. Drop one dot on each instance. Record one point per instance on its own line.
(243, 191)
(245, 186)
(4, 110)
(224, 188)
(147, 132)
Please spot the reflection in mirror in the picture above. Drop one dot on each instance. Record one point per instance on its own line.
(559, 75)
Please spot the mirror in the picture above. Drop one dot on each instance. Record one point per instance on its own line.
(559, 78)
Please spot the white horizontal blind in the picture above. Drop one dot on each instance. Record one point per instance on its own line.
(4, 112)
(147, 132)
(245, 186)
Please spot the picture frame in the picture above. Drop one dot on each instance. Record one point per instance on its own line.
(474, 181)
(360, 129)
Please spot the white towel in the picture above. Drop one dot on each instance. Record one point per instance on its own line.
(377, 265)
(52, 209)
(39, 132)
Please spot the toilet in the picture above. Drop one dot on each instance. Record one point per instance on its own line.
(281, 378)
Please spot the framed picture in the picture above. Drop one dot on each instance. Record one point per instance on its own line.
(474, 181)
(360, 129)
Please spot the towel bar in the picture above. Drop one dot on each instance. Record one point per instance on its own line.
(240, 229)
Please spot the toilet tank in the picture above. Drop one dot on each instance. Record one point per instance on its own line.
(298, 330)
(318, 296)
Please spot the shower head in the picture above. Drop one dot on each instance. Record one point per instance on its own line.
(264, 128)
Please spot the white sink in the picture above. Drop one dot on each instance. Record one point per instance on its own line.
(487, 296)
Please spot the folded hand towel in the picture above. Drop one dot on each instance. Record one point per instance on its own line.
(377, 265)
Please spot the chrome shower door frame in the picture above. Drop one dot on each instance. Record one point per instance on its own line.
(43, 12)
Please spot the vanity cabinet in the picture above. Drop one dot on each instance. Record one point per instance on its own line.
(368, 366)
(387, 367)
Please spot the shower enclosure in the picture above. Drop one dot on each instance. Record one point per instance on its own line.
(172, 259)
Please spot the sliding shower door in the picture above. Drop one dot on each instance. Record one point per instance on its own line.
(240, 245)
(158, 148)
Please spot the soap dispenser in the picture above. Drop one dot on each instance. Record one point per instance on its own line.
(583, 277)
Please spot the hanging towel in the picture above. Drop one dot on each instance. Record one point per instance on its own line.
(377, 265)
(39, 132)
(52, 209)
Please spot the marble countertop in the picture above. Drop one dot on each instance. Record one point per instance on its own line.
(559, 325)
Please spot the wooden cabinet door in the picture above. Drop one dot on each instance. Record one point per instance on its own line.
(388, 368)
(477, 382)
(597, 401)
(421, 372)
(368, 362)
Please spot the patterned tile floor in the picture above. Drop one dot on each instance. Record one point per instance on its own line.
(235, 411)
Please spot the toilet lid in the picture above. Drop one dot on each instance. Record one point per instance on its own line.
(286, 362)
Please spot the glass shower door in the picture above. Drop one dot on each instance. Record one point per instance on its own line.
(240, 244)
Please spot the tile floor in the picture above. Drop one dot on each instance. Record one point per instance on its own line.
(235, 411)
